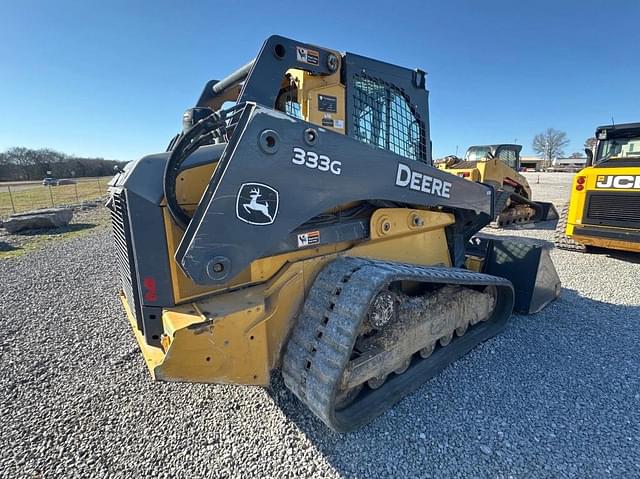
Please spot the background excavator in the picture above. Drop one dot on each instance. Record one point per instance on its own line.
(499, 166)
(297, 224)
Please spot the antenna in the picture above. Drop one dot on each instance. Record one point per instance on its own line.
(613, 122)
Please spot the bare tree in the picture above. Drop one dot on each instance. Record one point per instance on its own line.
(576, 154)
(19, 156)
(590, 143)
(5, 167)
(550, 144)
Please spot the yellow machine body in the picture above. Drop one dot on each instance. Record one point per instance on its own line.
(491, 171)
(624, 183)
(498, 165)
(237, 335)
(399, 285)
(312, 87)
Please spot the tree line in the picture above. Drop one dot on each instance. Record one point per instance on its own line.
(21, 163)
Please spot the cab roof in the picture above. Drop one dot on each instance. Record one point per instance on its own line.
(620, 130)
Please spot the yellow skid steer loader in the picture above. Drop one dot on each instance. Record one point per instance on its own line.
(296, 224)
(499, 166)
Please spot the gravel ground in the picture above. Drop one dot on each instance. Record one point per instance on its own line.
(557, 395)
(550, 186)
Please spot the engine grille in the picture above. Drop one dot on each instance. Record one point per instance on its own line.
(124, 254)
(613, 209)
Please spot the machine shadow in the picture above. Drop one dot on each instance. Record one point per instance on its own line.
(615, 254)
(460, 420)
(5, 247)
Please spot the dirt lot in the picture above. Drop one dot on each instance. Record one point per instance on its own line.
(556, 395)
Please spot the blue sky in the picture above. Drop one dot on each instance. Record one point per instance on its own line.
(112, 78)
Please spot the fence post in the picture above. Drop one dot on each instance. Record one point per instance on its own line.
(13, 206)
(75, 185)
(51, 195)
(99, 187)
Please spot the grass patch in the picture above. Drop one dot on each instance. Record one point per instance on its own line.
(39, 238)
(39, 196)
(84, 222)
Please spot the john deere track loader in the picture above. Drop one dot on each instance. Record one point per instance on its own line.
(499, 166)
(297, 225)
(604, 208)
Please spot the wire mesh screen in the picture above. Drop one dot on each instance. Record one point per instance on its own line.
(383, 116)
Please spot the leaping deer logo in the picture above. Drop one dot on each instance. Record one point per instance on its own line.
(254, 205)
(257, 204)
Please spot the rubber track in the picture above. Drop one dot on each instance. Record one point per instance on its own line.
(324, 336)
(501, 206)
(560, 239)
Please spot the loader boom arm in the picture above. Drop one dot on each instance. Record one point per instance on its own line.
(263, 75)
(278, 172)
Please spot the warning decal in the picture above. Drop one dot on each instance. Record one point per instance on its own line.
(308, 239)
(305, 55)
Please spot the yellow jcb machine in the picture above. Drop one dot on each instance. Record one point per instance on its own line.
(499, 166)
(297, 227)
(604, 207)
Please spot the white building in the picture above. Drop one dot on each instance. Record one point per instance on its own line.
(572, 165)
(531, 163)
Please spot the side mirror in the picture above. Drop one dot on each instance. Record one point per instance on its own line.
(589, 153)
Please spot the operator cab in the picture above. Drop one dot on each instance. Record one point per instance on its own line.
(377, 103)
(507, 153)
(618, 144)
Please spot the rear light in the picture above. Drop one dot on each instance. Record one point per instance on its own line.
(580, 181)
(464, 174)
(579, 187)
(150, 289)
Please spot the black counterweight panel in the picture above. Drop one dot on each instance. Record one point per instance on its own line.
(273, 177)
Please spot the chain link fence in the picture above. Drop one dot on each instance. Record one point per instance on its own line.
(17, 197)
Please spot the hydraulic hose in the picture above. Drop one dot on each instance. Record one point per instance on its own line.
(199, 134)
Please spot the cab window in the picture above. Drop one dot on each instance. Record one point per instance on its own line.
(509, 157)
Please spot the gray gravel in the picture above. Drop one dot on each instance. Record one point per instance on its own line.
(557, 395)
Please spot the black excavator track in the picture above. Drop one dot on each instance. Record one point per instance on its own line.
(323, 339)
